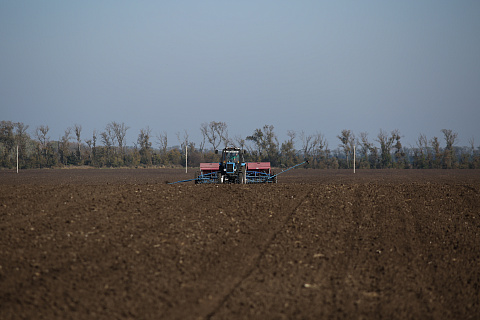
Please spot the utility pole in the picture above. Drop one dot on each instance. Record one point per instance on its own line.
(354, 156)
(186, 155)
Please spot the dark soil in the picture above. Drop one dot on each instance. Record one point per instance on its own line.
(122, 244)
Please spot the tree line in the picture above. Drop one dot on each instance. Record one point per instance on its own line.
(107, 148)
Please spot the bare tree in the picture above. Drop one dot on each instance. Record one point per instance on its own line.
(226, 139)
(7, 137)
(399, 152)
(145, 146)
(94, 145)
(422, 144)
(365, 145)
(65, 143)
(21, 130)
(183, 140)
(120, 131)
(89, 149)
(239, 142)
(475, 155)
(307, 145)
(215, 132)
(108, 140)
(266, 143)
(162, 141)
(291, 134)
(21, 137)
(436, 161)
(471, 142)
(41, 133)
(450, 140)
(318, 150)
(203, 130)
(288, 149)
(386, 142)
(423, 156)
(7, 142)
(108, 137)
(257, 139)
(348, 141)
(78, 131)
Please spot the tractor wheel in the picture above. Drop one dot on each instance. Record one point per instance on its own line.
(219, 177)
(241, 177)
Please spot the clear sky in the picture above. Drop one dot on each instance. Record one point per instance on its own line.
(312, 66)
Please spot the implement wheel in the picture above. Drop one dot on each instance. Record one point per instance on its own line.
(197, 174)
(274, 180)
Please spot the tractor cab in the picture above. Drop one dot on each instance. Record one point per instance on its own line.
(231, 156)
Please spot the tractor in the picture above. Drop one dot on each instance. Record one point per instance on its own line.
(232, 168)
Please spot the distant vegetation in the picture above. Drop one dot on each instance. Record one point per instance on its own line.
(108, 148)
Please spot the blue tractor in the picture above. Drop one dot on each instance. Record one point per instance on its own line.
(232, 166)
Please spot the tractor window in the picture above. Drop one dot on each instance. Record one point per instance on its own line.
(232, 157)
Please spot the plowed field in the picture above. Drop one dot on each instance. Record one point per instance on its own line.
(122, 244)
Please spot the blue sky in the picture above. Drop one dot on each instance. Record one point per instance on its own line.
(312, 66)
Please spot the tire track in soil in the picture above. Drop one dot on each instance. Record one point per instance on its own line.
(256, 264)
